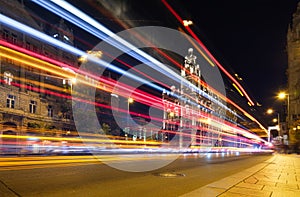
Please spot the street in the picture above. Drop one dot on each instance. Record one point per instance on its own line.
(85, 176)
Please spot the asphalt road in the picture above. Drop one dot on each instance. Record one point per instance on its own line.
(93, 178)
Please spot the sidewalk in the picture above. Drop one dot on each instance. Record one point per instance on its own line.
(278, 176)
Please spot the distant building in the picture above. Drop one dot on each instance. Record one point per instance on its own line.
(293, 72)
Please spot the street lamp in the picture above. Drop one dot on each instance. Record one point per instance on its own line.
(283, 95)
(187, 22)
(129, 101)
(271, 111)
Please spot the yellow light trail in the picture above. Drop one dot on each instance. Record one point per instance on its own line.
(79, 139)
(21, 163)
(238, 89)
(45, 66)
(197, 48)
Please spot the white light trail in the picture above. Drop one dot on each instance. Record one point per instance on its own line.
(4, 20)
(88, 24)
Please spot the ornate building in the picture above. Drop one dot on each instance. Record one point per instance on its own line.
(33, 99)
(26, 103)
(293, 74)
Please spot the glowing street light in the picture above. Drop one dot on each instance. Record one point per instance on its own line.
(271, 111)
(129, 101)
(283, 95)
(187, 22)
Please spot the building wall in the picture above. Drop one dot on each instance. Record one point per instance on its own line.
(25, 78)
(293, 71)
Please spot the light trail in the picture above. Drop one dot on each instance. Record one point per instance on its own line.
(45, 66)
(64, 161)
(23, 28)
(54, 42)
(40, 64)
(168, 6)
(83, 52)
(88, 24)
(78, 18)
(196, 47)
(219, 65)
(85, 140)
(48, 67)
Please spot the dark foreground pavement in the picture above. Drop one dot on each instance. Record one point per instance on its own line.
(189, 175)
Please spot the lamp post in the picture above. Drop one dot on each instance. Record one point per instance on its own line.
(129, 101)
(271, 111)
(283, 95)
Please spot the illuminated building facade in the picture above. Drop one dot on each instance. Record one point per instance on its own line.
(191, 115)
(26, 100)
(189, 121)
(293, 73)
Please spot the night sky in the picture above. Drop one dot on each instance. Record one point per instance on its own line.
(247, 37)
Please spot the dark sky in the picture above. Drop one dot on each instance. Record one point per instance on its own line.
(248, 37)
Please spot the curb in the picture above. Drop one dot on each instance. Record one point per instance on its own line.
(218, 187)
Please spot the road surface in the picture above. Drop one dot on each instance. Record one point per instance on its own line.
(85, 176)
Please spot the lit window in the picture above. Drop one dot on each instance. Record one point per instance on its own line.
(8, 77)
(32, 107)
(10, 101)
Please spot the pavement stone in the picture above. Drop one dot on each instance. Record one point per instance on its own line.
(204, 192)
(251, 180)
(250, 191)
(250, 185)
(276, 177)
